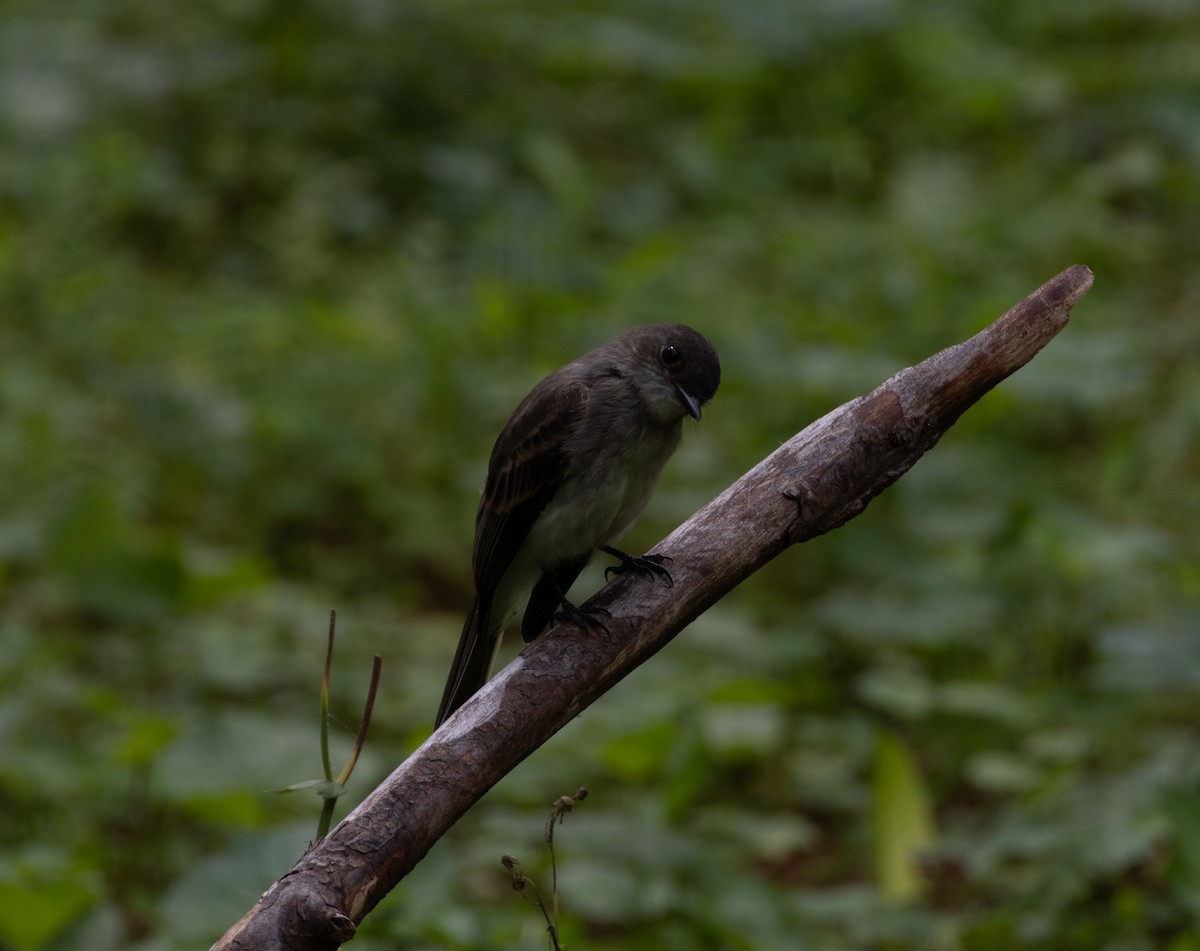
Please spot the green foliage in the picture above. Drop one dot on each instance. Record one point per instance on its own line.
(902, 822)
(271, 278)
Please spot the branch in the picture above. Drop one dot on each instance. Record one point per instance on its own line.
(821, 478)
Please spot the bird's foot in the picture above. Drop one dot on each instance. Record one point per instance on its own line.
(584, 617)
(648, 565)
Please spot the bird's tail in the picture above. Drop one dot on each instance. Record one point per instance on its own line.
(472, 660)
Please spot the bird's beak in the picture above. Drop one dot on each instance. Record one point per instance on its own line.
(690, 403)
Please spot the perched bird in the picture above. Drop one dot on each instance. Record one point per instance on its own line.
(573, 467)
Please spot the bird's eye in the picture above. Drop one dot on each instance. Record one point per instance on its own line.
(671, 354)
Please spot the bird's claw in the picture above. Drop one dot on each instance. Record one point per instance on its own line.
(649, 565)
(583, 617)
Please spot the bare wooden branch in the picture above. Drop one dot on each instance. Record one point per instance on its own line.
(822, 477)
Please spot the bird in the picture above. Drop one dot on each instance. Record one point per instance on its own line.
(571, 470)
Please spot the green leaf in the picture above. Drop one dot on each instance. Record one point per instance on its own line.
(326, 789)
(31, 914)
(903, 819)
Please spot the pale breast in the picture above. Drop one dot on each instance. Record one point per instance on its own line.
(596, 504)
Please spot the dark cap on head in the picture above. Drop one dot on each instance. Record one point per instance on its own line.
(690, 363)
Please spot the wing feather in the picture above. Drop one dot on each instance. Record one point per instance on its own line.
(526, 469)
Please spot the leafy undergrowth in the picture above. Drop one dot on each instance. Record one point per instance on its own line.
(271, 280)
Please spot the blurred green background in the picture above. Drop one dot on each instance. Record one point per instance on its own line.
(272, 277)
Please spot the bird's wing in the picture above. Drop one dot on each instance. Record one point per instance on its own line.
(525, 470)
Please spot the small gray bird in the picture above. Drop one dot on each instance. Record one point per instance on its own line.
(574, 466)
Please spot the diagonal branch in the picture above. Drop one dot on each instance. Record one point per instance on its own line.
(821, 478)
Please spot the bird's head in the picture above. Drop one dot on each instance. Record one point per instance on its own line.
(679, 369)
